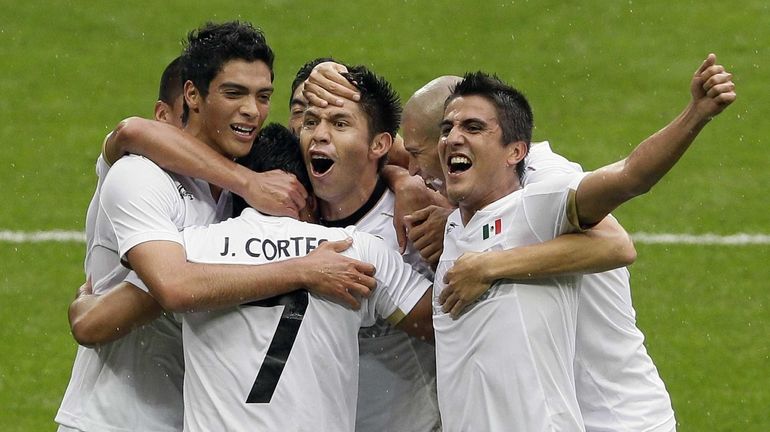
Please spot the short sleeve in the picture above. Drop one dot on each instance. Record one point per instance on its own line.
(141, 203)
(549, 206)
(399, 286)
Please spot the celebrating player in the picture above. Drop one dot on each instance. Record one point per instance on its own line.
(513, 349)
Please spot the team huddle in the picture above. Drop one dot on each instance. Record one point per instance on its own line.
(337, 275)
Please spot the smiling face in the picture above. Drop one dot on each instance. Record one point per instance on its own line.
(238, 102)
(341, 157)
(478, 167)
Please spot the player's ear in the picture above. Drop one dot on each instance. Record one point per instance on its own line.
(162, 112)
(380, 145)
(192, 96)
(516, 152)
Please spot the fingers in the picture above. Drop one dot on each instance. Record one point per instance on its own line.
(326, 85)
(337, 245)
(711, 60)
(419, 216)
(401, 237)
(367, 270)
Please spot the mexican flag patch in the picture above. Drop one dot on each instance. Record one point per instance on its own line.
(493, 228)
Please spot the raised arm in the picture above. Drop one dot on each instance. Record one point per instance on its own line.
(605, 246)
(602, 191)
(273, 192)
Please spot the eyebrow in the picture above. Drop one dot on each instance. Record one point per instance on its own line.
(243, 88)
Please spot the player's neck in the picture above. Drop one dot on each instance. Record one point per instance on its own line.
(355, 204)
(469, 208)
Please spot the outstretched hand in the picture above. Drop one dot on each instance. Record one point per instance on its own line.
(326, 85)
(712, 88)
(336, 277)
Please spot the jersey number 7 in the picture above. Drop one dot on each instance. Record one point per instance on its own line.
(294, 307)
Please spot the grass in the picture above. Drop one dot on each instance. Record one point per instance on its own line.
(600, 75)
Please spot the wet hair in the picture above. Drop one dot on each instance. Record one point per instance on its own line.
(513, 110)
(304, 72)
(379, 102)
(275, 148)
(171, 82)
(209, 47)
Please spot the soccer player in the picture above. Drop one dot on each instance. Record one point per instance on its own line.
(112, 375)
(617, 384)
(288, 362)
(237, 61)
(505, 363)
(345, 148)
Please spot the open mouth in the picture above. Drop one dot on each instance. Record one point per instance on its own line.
(245, 131)
(458, 164)
(321, 164)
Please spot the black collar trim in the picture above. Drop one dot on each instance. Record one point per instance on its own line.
(353, 219)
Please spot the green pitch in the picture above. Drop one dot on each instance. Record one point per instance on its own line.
(601, 76)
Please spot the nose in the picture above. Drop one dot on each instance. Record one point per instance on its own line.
(249, 107)
(321, 132)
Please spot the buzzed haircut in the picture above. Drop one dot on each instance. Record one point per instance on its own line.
(208, 48)
(304, 72)
(513, 111)
(378, 100)
(276, 147)
(171, 82)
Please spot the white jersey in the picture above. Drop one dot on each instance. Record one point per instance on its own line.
(506, 364)
(134, 383)
(618, 386)
(287, 363)
(397, 382)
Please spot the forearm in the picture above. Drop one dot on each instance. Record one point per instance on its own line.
(604, 247)
(97, 319)
(605, 189)
(190, 287)
(176, 151)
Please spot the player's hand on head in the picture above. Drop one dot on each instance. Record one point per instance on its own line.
(326, 85)
(426, 231)
(712, 88)
(276, 193)
(337, 277)
(464, 283)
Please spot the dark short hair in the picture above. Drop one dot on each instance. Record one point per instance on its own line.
(304, 72)
(275, 148)
(171, 82)
(513, 111)
(209, 47)
(379, 102)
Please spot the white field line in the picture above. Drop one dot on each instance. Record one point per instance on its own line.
(642, 238)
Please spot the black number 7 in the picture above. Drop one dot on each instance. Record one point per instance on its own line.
(295, 305)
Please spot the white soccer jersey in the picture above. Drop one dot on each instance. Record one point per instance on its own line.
(287, 363)
(134, 383)
(397, 382)
(506, 363)
(618, 386)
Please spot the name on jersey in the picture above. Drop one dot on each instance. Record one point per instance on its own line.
(271, 249)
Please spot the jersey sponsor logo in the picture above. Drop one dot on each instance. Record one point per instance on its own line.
(492, 229)
(272, 249)
(183, 192)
